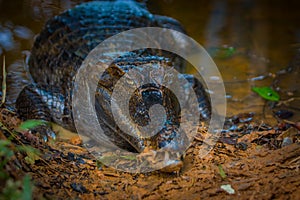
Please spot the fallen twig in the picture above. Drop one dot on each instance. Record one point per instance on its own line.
(3, 82)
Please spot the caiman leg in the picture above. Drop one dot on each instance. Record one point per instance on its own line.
(30, 106)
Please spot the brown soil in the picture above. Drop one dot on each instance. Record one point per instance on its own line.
(255, 165)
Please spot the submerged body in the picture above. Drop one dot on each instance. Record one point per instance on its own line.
(65, 42)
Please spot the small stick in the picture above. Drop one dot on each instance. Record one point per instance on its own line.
(3, 82)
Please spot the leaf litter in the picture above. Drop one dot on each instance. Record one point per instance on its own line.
(262, 169)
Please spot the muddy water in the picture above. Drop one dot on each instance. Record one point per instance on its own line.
(263, 34)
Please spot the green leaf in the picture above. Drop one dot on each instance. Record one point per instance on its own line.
(30, 124)
(5, 150)
(99, 164)
(30, 159)
(32, 154)
(5, 143)
(5, 154)
(221, 172)
(222, 52)
(27, 188)
(266, 93)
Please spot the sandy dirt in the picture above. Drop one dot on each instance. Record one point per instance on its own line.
(251, 160)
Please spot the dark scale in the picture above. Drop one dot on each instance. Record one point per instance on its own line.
(64, 43)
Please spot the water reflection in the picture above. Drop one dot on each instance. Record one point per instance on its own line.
(41, 10)
(10, 36)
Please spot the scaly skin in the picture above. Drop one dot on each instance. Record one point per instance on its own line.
(64, 43)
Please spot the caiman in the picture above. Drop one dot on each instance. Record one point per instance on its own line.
(64, 43)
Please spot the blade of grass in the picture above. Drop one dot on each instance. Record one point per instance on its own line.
(221, 172)
(30, 124)
(27, 188)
